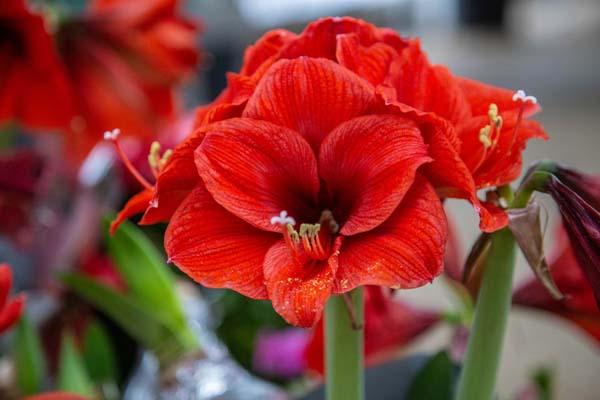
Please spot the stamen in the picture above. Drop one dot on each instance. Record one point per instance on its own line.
(282, 219)
(156, 161)
(521, 95)
(113, 136)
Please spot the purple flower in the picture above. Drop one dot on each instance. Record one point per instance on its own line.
(281, 353)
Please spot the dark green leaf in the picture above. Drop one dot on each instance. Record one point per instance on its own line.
(434, 381)
(72, 376)
(99, 356)
(29, 358)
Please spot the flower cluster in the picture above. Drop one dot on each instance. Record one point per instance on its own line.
(116, 62)
(321, 166)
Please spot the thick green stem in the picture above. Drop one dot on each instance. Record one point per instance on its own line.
(478, 375)
(344, 349)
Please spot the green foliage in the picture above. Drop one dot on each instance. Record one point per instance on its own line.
(72, 375)
(435, 380)
(242, 318)
(99, 356)
(29, 358)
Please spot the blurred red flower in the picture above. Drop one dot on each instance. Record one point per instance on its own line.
(123, 59)
(56, 396)
(389, 324)
(579, 304)
(33, 87)
(20, 173)
(10, 308)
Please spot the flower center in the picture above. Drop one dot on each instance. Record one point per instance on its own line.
(311, 241)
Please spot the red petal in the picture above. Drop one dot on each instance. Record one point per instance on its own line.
(216, 248)
(481, 95)
(406, 251)
(371, 63)
(136, 205)
(266, 47)
(368, 164)
(298, 291)
(11, 312)
(318, 40)
(5, 283)
(256, 169)
(448, 173)
(426, 87)
(311, 96)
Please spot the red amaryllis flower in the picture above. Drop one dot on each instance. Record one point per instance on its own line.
(389, 324)
(123, 58)
(33, 87)
(581, 221)
(10, 309)
(56, 396)
(579, 304)
(397, 72)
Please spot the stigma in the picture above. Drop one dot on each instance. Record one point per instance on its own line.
(283, 219)
(520, 95)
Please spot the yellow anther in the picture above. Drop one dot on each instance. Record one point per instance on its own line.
(154, 155)
(165, 157)
(293, 234)
(484, 136)
(493, 112)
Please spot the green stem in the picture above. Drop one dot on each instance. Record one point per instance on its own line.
(344, 349)
(478, 375)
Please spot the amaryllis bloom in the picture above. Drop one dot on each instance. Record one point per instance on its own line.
(578, 306)
(574, 193)
(33, 86)
(453, 114)
(10, 308)
(389, 325)
(123, 59)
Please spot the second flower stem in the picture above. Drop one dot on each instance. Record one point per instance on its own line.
(344, 349)
(478, 375)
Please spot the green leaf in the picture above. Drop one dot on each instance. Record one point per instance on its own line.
(72, 376)
(134, 319)
(29, 358)
(543, 379)
(148, 277)
(99, 356)
(435, 380)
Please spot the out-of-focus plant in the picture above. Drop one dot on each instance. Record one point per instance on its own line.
(148, 309)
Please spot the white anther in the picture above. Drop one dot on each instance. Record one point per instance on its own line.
(112, 135)
(283, 219)
(521, 95)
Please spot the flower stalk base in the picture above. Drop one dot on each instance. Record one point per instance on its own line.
(344, 349)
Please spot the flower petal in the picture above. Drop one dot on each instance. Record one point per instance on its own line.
(371, 63)
(256, 169)
(298, 291)
(406, 251)
(135, 205)
(11, 312)
(447, 173)
(5, 283)
(481, 95)
(368, 164)
(215, 248)
(311, 96)
(266, 47)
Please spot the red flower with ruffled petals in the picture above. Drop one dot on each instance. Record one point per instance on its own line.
(389, 325)
(450, 111)
(10, 308)
(33, 87)
(313, 191)
(123, 59)
(578, 306)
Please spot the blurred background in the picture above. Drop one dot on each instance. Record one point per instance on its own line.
(550, 48)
